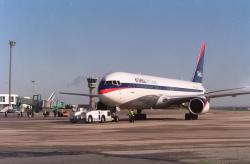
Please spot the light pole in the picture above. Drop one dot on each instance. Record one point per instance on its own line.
(12, 44)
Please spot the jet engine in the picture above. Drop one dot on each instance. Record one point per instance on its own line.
(198, 105)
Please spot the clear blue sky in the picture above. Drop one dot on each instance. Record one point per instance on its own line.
(60, 42)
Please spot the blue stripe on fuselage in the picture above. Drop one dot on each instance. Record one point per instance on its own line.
(146, 86)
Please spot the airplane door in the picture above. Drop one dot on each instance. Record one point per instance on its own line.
(120, 95)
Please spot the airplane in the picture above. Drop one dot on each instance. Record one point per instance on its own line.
(137, 91)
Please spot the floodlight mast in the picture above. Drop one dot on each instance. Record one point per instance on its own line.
(11, 44)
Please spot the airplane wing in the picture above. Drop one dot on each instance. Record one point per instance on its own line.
(213, 94)
(228, 92)
(181, 99)
(79, 94)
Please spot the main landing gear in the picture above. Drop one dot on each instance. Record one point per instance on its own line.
(139, 115)
(191, 116)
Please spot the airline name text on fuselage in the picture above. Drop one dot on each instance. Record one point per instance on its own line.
(146, 81)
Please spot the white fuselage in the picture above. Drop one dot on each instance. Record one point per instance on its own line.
(128, 90)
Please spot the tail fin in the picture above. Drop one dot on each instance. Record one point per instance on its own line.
(198, 75)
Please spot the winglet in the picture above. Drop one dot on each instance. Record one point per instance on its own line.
(198, 75)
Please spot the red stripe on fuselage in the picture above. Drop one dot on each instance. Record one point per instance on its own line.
(103, 91)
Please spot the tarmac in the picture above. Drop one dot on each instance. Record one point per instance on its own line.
(217, 137)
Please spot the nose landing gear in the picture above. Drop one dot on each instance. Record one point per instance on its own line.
(139, 115)
(191, 116)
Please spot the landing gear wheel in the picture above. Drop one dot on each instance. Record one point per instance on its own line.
(116, 119)
(103, 119)
(194, 116)
(90, 119)
(139, 111)
(190, 116)
(187, 116)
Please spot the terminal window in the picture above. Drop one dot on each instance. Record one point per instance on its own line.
(2, 99)
(12, 99)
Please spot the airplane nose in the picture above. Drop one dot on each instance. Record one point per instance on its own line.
(106, 94)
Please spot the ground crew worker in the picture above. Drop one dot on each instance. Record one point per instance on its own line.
(28, 110)
(131, 116)
(54, 111)
(22, 110)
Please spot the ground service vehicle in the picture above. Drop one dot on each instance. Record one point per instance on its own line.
(91, 116)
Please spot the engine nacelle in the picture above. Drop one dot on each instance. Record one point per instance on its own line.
(199, 105)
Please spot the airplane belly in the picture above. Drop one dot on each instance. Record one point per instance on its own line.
(111, 98)
(138, 99)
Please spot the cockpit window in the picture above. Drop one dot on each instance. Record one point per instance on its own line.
(102, 82)
(113, 82)
(109, 82)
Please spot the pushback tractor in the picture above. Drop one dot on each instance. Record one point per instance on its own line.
(92, 116)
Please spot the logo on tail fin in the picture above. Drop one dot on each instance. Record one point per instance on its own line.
(198, 75)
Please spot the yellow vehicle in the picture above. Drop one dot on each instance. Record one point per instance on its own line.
(63, 113)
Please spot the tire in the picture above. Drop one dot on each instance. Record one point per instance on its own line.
(194, 116)
(103, 119)
(90, 119)
(73, 121)
(116, 119)
(187, 116)
(190, 116)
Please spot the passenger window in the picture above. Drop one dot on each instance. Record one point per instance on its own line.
(114, 82)
(118, 83)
